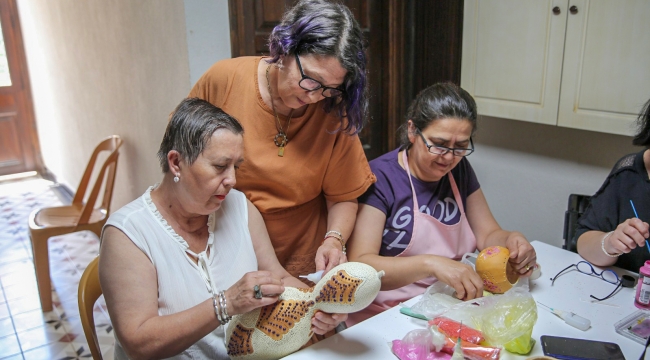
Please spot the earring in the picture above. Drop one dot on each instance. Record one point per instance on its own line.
(177, 179)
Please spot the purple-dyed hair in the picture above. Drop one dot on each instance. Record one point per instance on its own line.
(328, 28)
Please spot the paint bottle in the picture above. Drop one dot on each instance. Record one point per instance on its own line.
(642, 298)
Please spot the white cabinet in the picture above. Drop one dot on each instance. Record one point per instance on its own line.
(573, 63)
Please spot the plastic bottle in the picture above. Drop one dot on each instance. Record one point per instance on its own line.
(642, 298)
(315, 277)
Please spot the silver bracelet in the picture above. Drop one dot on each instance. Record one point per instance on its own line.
(217, 308)
(224, 308)
(338, 236)
(602, 245)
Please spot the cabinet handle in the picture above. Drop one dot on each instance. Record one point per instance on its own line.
(556, 10)
(573, 9)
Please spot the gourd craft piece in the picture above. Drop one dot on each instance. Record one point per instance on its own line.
(493, 267)
(277, 330)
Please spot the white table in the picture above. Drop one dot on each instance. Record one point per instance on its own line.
(369, 339)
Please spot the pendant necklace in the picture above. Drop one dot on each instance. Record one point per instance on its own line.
(280, 138)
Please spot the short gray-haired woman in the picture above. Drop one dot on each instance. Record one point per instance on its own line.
(178, 262)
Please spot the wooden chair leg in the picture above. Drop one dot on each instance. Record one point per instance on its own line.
(42, 268)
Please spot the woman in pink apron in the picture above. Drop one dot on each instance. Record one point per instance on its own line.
(427, 209)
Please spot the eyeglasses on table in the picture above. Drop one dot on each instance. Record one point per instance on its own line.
(605, 275)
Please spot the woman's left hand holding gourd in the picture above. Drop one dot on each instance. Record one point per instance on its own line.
(522, 255)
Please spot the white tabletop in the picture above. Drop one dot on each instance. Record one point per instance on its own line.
(370, 339)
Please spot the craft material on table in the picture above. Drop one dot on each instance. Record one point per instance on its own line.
(570, 318)
(277, 330)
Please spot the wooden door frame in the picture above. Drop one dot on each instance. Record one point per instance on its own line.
(20, 77)
(419, 44)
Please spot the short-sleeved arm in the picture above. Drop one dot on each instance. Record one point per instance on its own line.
(213, 84)
(348, 174)
(602, 213)
(465, 172)
(379, 194)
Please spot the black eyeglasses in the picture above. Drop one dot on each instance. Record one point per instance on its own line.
(310, 84)
(442, 150)
(606, 275)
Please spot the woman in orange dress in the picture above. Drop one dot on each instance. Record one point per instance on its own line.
(302, 108)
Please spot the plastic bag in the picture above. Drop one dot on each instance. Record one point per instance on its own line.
(454, 329)
(417, 345)
(507, 320)
(472, 351)
(436, 301)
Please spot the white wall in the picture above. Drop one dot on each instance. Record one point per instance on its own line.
(99, 68)
(208, 34)
(527, 171)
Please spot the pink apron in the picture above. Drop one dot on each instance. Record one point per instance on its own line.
(429, 236)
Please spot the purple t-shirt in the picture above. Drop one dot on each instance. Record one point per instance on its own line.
(392, 195)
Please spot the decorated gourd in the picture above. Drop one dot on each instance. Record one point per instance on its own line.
(493, 267)
(277, 330)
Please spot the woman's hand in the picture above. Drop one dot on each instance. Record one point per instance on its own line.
(627, 236)
(522, 254)
(461, 277)
(241, 296)
(329, 255)
(321, 322)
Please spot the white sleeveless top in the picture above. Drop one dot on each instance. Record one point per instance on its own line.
(182, 283)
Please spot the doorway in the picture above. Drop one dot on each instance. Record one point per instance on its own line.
(19, 147)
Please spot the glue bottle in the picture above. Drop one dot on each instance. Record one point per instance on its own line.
(642, 298)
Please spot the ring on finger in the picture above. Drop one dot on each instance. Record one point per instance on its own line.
(258, 291)
(527, 267)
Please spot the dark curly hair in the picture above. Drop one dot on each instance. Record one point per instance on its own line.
(328, 28)
(642, 138)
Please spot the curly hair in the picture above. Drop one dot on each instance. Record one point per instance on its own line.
(642, 138)
(328, 28)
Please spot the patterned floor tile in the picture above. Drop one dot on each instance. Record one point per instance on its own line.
(36, 318)
(4, 311)
(55, 350)
(34, 334)
(9, 346)
(23, 304)
(20, 289)
(18, 277)
(13, 357)
(6, 327)
(41, 336)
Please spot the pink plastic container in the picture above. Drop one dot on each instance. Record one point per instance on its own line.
(642, 298)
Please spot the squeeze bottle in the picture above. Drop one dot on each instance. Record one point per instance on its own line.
(642, 298)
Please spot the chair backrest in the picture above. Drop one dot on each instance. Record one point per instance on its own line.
(577, 205)
(106, 176)
(88, 293)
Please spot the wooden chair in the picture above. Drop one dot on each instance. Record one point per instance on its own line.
(47, 222)
(89, 292)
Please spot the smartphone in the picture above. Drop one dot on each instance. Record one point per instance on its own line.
(580, 349)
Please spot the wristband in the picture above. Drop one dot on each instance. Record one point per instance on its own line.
(602, 245)
(338, 236)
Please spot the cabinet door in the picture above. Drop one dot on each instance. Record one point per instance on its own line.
(512, 57)
(606, 77)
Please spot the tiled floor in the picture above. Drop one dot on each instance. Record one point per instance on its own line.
(25, 331)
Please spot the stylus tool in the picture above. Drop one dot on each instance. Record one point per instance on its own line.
(570, 318)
